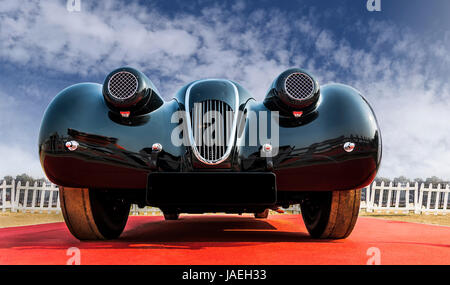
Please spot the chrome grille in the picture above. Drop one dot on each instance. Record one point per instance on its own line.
(212, 127)
(122, 85)
(299, 86)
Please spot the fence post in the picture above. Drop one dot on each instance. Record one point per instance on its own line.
(397, 197)
(58, 200)
(372, 194)
(389, 198)
(436, 201)
(41, 204)
(429, 190)
(13, 194)
(33, 197)
(420, 197)
(367, 196)
(446, 199)
(14, 197)
(50, 202)
(25, 198)
(3, 188)
(380, 200)
(416, 195)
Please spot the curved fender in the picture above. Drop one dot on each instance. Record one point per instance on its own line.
(113, 152)
(311, 153)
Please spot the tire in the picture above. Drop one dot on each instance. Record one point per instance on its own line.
(262, 215)
(331, 215)
(93, 214)
(171, 216)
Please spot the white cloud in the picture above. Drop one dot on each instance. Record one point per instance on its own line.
(324, 42)
(16, 160)
(17, 154)
(402, 75)
(238, 6)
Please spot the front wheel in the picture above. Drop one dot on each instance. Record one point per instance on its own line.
(331, 215)
(92, 214)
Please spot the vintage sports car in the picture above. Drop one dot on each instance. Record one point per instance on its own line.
(212, 148)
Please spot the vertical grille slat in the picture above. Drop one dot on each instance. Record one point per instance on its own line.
(209, 133)
(212, 131)
(201, 127)
(216, 134)
(221, 135)
(221, 140)
(208, 140)
(228, 121)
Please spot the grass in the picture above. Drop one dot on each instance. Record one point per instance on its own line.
(8, 219)
(442, 220)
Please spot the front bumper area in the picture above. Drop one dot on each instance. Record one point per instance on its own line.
(167, 189)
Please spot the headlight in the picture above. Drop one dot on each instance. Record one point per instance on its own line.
(129, 92)
(122, 86)
(293, 91)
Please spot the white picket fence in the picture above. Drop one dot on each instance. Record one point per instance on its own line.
(43, 198)
(32, 198)
(375, 198)
(146, 211)
(406, 198)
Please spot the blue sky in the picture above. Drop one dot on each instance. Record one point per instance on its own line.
(399, 58)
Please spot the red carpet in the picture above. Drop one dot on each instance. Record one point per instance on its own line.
(282, 239)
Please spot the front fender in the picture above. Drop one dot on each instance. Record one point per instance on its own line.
(113, 152)
(311, 156)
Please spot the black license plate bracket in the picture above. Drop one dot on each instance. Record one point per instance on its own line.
(211, 188)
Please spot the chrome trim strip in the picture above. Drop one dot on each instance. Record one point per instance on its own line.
(232, 129)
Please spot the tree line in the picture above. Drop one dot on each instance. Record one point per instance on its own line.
(23, 179)
(403, 180)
